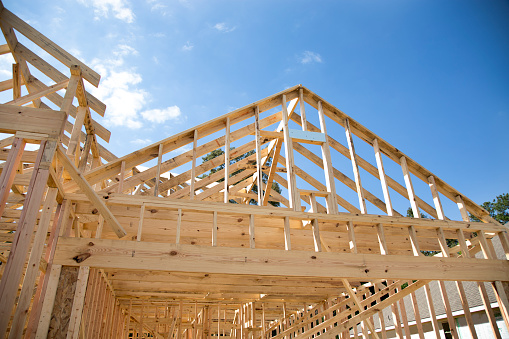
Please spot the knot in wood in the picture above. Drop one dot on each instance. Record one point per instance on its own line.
(82, 257)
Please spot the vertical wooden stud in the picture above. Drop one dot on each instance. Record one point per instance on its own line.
(381, 239)
(316, 235)
(304, 122)
(214, 229)
(251, 231)
(332, 203)
(22, 239)
(293, 194)
(158, 174)
(462, 208)
(227, 161)
(355, 166)
(193, 164)
(383, 179)
(351, 237)
(9, 171)
(410, 187)
(16, 81)
(179, 225)
(288, 245)
(436, 197)
(259, 173)
(140, 225)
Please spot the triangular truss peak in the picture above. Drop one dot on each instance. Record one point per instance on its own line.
(183, 239)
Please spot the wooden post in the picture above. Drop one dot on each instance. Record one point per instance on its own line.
(288, 245)
(77, 305)
(316, 235)
(410, 188)
(9, 171)
(381, 240)
(332, 203)
(251, 231)
(404, 318)
(16, 81)
(227, 161)
(258, 143)
(381, 174)
(431, 308)
(193, 165)
(121, 177)
(436, 198)
(179, 225)
(140, 225)
(417, 313)
(214, 229)
(351, 237)
(304, 122)
(355, 166)
(47, 304)
(45, 293)
(158, 175)
(293, 194)
(32, 271)
(22, 238)
(462, 208)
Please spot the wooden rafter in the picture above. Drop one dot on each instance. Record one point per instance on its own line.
(196, 260)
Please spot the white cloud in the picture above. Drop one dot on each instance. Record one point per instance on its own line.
(6, 62)
(224, 27)
(158, 35)
(158, 6)
(187, 47)
(309, 57)
(120, 90)
(161, 115)
(124, 50)
(141, 141)
(102, 8)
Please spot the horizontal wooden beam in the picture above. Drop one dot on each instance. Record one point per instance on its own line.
(268, 211)
(33, 120)
(105, 253)
(307, 137)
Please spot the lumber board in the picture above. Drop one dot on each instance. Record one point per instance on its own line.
(32, 120)
(48, 45)
(183, 138)
(120, 199)
(90, 193)
(395, 154)
(23, 52)
(188, 258)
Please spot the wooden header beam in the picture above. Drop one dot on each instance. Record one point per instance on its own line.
(190, 258)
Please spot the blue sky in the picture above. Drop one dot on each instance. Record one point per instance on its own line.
(430, 77)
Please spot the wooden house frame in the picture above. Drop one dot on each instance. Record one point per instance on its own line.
(145, 245)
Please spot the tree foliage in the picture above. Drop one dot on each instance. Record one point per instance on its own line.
(218, 152)
(498, 208)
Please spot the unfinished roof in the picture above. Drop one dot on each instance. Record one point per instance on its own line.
(161, 243)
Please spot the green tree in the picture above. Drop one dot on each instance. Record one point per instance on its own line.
(218, 152)
(498, 208)
(410, 214)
